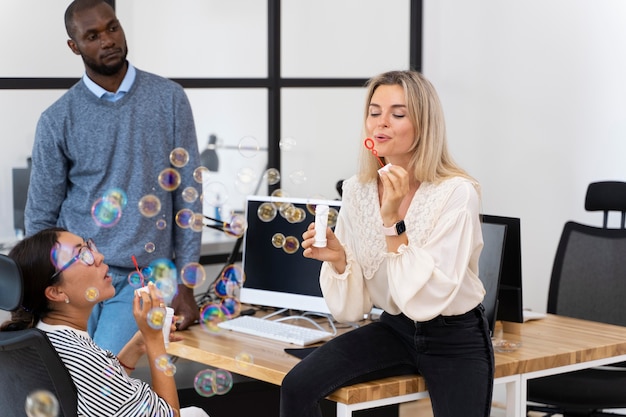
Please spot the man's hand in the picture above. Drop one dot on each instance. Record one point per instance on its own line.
(184, 305)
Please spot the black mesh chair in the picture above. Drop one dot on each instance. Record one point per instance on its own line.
(28, 361)
(588, 282)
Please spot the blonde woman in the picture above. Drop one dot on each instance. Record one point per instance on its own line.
(407, 240)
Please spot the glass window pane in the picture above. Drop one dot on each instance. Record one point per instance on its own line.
(218, 39)
(34, 42)
(238, 119)
(325, 125)
(344, 39)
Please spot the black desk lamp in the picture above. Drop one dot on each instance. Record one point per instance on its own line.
(208, 157)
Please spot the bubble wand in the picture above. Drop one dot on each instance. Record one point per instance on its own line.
(224, 227)
(369, 144)
(137, 268)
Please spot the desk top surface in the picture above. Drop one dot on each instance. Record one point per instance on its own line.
(547, 343)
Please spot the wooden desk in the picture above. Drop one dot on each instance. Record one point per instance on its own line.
(550, 346)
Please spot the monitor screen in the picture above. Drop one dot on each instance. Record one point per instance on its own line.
(510, 305)
(276, 272)
(21, 180)
(490, 266)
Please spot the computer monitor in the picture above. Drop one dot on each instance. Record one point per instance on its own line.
(510, 305)
(21, 181)
(276, 277)
(490, 266)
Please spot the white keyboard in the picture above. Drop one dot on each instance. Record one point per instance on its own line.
(271, 329)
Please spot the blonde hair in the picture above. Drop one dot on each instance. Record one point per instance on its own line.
(431, 161)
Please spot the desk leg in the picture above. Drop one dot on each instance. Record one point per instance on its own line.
(343, 410)
(513, 394)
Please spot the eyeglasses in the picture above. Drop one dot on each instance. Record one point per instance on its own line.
(86, 254)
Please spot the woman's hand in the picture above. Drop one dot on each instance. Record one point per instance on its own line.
(395, 183)
(143, 303)
(333, 252)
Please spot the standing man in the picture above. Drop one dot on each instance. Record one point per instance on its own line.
(115, 130)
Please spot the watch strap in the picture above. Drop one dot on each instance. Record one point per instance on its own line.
(395, 230)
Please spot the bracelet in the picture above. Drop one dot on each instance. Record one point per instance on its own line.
(130, 368)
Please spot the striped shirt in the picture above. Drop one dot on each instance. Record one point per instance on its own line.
(104, 387)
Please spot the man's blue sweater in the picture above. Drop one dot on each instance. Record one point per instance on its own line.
(85, 146)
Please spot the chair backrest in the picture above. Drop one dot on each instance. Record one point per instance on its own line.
(28, 361)
(607, 196)
(589, 272)
(10, 283)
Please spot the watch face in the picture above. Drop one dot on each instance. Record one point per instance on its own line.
(400, 227)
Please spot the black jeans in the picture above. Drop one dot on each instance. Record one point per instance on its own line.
(453, 353)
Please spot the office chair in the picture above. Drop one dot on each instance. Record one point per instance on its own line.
(28, 361)
(588, 282)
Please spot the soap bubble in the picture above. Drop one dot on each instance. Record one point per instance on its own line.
(184, 218)
(237, 225)
(169, 179)
(149, 205)
(156, 317)
(333, 213)
(246, 175)
(197, 222)
(295, 214)
(109, 371)
(291, 245)
(232, 305)
(278, 240)
(190, 194)
(211, 315)
(244, 360)
(248, 147)
(200, 173)
(193, 274)
(92, 294)
(272, 175)
(225, 288)
(135, 279)
(117, 195)
(41, 403)
(215, 194)
(298, 177)
(204, 383)
(161, 224)
(164, 364)
(234, 273)
(105, 391)
(223, 381)
(168, 288)
(179, 157)
(266, 212)
(149, 247)
(105, 212)
(287, 144)
(61, 255)
(161, 269)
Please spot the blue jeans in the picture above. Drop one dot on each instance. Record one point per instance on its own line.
(454, 354)
(112, 324)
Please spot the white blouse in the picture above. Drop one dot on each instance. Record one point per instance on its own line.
(435, 274)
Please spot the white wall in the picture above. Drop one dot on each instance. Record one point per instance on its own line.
(534, 93)
(213, 39)
(535, 100)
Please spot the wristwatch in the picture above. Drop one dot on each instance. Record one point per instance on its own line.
(395, 230)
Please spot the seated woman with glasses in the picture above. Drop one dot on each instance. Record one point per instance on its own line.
(64, 276)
